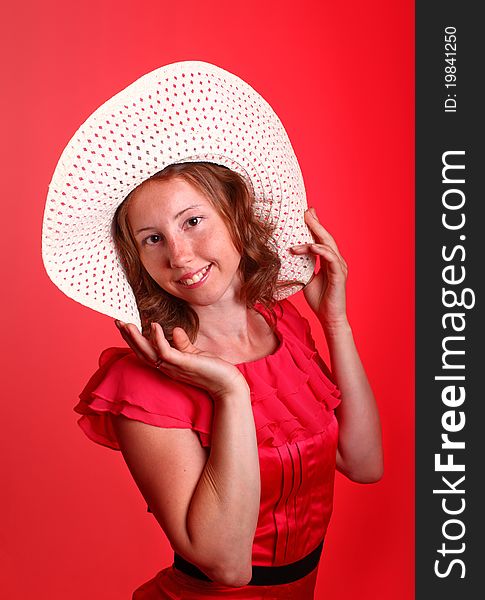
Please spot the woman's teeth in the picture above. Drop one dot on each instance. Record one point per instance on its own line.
(195, 278)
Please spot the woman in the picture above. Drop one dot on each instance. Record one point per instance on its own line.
(227, 418)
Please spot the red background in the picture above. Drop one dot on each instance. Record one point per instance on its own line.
(341, 78)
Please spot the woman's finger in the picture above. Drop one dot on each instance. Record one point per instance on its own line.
(330, 256)
(139, 343)
(311, 219)
(329, 253)
(323, 250)
(314, 213)
(128, 339)
(301, 249)
(314, 248)
(166, 352)
(326, 240)
(182, 342)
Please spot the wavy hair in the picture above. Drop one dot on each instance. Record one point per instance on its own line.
(259, 266)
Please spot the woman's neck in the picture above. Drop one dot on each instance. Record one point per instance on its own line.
(228, 320)
(234, 333)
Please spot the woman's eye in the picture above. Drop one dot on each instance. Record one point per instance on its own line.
(152, 239)
(193, 221)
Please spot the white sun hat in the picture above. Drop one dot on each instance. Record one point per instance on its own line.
(183, 112)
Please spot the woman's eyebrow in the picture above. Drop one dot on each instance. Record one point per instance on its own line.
(179, 214)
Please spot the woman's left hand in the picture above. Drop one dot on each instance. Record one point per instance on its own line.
(326, 291)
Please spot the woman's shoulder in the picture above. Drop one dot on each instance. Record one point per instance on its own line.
(124, 384)
(288, 311)
(292, 323)
(123, 367)
(123, 375)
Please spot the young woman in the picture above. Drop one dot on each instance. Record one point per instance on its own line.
(230, 423)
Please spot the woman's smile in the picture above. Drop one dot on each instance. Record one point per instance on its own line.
(192, 280)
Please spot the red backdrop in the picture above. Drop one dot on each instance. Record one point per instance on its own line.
(341, 78)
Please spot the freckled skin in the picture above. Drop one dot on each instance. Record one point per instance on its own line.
(181, 239)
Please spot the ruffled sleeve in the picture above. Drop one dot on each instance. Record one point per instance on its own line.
(125, 385)
(299, 328)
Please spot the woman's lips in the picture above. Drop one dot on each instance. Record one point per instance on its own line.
(197, 279)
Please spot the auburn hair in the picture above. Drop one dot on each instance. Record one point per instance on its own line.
(231, 197)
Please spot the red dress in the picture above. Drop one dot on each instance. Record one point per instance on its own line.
(292, 401)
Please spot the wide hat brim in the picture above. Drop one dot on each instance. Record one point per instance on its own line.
(183, 112)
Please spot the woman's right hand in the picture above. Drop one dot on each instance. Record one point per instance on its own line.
(183, 361)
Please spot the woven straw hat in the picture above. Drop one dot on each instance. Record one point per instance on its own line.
(183, 112)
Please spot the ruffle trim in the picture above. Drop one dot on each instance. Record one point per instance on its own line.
(292, 397)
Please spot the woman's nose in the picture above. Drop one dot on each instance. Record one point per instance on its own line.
(179, 252)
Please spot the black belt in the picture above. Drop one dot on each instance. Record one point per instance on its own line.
(263, 575)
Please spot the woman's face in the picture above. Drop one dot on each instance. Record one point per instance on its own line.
(183, 242)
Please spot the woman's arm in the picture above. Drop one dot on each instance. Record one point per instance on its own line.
(359, 453)
(208, 506)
